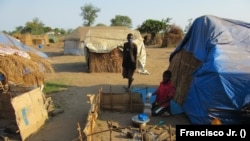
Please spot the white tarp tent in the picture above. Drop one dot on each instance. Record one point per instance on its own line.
(74, 42)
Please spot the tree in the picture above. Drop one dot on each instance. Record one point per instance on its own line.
(154, 26)
(47, 29)
(120, 20)
(89, 14)
(35, 27)
(57, 31)
(62, 31)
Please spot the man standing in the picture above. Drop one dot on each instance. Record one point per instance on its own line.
(129, 60)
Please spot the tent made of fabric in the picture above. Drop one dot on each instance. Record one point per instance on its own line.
(74, 42)
(211, 70)
(104, 40)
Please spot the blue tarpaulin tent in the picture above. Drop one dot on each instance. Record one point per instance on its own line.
(220, 85)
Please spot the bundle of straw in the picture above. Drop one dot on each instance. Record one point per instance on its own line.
(24, 71)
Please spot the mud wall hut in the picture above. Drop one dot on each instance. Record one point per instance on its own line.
(32, 40)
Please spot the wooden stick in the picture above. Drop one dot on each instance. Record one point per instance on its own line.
(100, 101)
(111, 98)
(110, 129)
(79, 130)
(170, 132)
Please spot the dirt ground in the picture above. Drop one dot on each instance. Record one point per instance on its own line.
(72, 71)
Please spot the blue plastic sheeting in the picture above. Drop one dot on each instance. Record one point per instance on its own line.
(223, 79)
(175, 108)
(144, 91)
(9, 41)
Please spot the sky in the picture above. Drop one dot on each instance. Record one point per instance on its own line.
(65, 14)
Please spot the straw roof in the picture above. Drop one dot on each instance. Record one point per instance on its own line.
(19, 70)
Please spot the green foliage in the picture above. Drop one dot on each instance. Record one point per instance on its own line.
(120, 20)
(35, 27)
(47, 29)
(63, 31)
(153, 26)
(89, 14)
(51, 87)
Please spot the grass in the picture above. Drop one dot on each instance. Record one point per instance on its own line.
(51, 87)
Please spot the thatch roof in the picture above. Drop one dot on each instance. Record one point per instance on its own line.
(21, 67)
(23, 71)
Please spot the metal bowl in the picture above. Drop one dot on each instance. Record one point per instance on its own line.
(139, 123)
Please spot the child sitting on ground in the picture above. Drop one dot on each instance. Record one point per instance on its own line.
(164, 93)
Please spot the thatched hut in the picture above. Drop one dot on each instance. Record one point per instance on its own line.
(40, 39)
(22, 74)
(32, 40)
(22, 65)
(24, 38)
(172, 37)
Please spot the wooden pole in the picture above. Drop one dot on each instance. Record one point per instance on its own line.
(110, 129)
(170, 133)
(80, 132)
(111, 98)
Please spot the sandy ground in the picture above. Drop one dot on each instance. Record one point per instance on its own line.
(72, 71)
